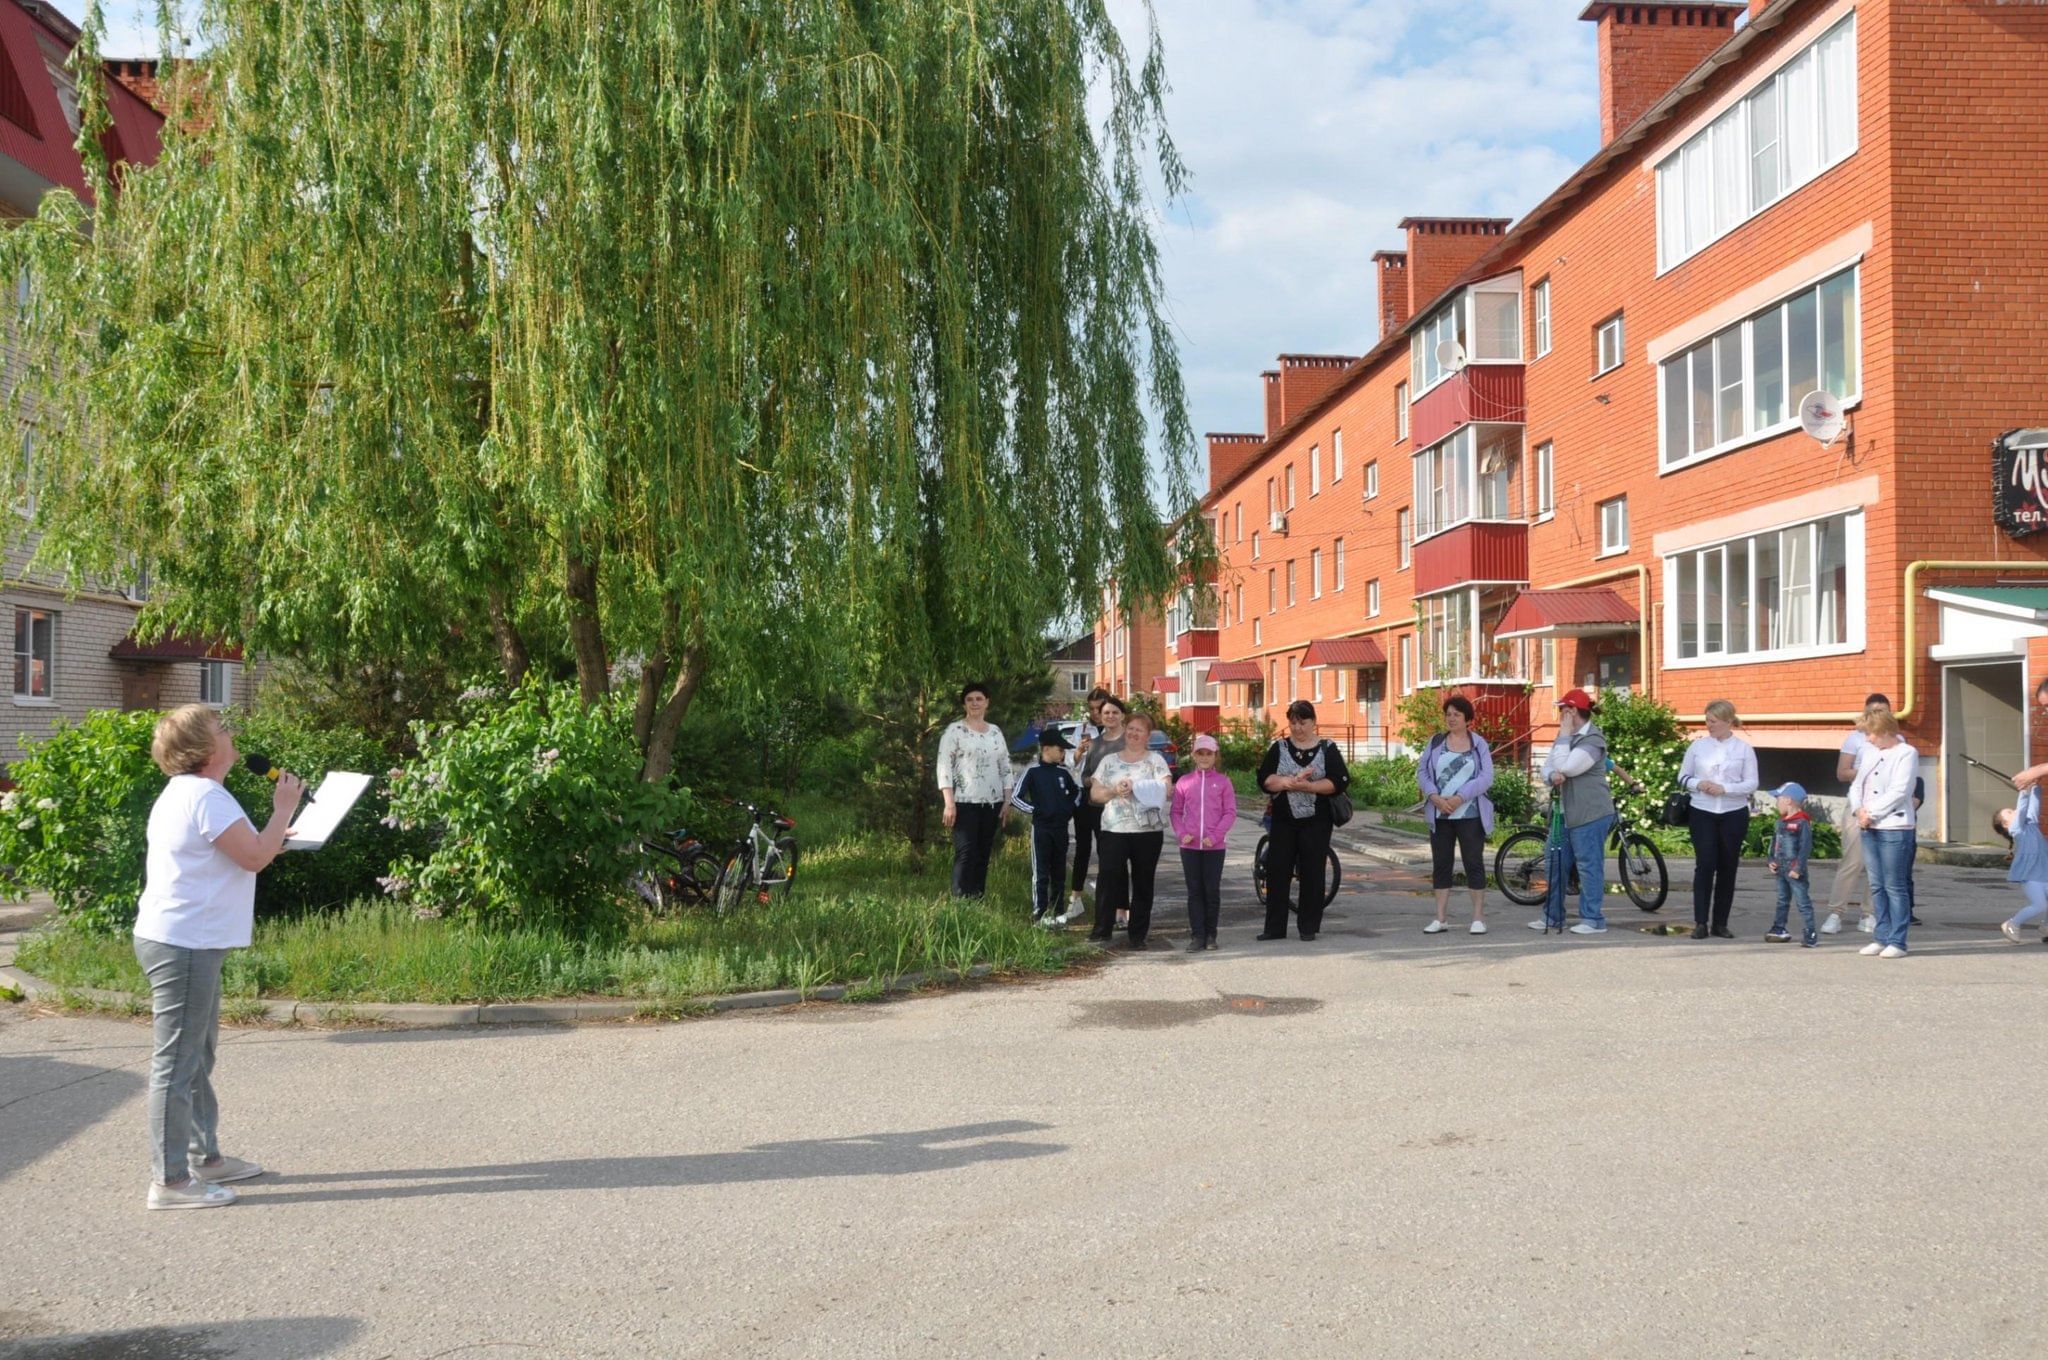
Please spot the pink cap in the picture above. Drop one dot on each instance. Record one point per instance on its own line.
(1205, 742)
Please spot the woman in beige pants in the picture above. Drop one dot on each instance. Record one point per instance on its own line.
(1851, 887)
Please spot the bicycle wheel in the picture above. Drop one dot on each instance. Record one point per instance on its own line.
(698, 882)
(778, 868)
(1643, 876)
(1522, 868)
(1259, 869)
(1335, 879)
(733, 881)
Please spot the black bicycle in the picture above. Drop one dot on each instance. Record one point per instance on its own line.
(677, 870)
(1522, 866)
(1259, 883)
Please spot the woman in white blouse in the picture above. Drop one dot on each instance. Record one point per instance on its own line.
(1720, 774)
(1132, 787)
(1882, 801)
(974, 779)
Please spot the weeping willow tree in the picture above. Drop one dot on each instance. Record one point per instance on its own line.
(672, 338)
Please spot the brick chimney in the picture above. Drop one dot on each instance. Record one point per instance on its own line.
(1271, 379)
(1230, 454)
(1304, 378)
(1441, 248)
(1392, 268)
(1646, 48)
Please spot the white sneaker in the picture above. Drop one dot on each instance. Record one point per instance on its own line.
(1868, 925)
(1479, 927)
(193, 1194)
(227, 1169)
(1537, 924)
(1892, 951)
(2012, 932)
(1433, 928)
(1872, 948)
(1833, 925)
(1588, 928)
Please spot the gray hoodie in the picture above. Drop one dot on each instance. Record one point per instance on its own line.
(1583, 758)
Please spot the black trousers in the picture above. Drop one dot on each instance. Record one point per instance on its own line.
(1717, 849)
(974, 840)
(1048, 866)
(1087, 826)
(1204, 870)
(1463, 834)
(1130, 862)
(1297, 850)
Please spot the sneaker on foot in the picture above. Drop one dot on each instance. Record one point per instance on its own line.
(1891, 951)
(1433, 928)
(1833, 925)
(193, 1194)
(1588, 928)
(1812, 941)
(1778, 936)
(1539, 924)
(1872, 948)
(2012, 932)
(1868, 925)
(226, 1169)
(1479, 927)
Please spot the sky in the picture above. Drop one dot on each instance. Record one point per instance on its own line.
(1310, 128)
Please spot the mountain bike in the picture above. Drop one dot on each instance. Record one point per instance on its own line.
(1334, 877)
(762, 865)
(677, 870)
(1522, 869)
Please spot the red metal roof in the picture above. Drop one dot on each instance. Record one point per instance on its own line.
(174, 647)
(1166, 684)
(1567, 613)
(1236, 673)
(1342, 654)
(33, 129)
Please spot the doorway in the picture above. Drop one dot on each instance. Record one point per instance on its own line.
(1984, 718)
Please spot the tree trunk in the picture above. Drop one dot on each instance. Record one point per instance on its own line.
(586, 638)
(660, 751)
(512, 654)
(653, 677)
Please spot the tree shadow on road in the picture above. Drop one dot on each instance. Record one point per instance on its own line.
(46, 1102)
(249, 1339)
(876, 1154)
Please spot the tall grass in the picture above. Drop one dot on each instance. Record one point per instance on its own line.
(859, 913)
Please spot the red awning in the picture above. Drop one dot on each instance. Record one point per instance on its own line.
(1567, 613)
(1342, 654)
(174, 647)
(1166, 684)
(1236, 673)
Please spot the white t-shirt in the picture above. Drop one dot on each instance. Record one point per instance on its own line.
(1858, 745)
(193, 895)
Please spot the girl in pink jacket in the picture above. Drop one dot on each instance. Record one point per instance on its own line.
(1204, 806)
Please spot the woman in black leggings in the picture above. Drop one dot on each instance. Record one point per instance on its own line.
(1455, 772)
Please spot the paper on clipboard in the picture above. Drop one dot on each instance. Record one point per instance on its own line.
(321, 815)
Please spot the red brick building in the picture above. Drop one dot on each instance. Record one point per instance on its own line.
(1574, 453)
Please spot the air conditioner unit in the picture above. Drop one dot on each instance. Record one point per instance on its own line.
(1278, 524)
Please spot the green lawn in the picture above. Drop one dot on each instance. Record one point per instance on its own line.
(857, 914)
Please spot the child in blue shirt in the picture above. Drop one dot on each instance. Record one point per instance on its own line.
(2022, 826)
(1049, 793)
(1791, 847)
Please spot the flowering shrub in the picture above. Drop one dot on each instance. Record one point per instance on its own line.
(1644, 739)
(538, 806)
(75, 823)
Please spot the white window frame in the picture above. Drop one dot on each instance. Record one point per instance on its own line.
(1290, 487)
(1453, 464)
(1255, 545)
(1316, 692)
(1293, 584)
(1615, 326)
(1539, 318)
(1854, 632)
(1257, 633)
(1459, 319)
(1609, 547)
(1746, 331)
(1340, 684)
(1077, 681)
(1372, 480)
(1238, 513)
(1315, 469)
(1546, 480)
(28, 697)
(1337, 565)
(1400, 413)
(1315, 573)
(218, 677)
(1372, 598)
(1404, 529)
(1293, 678)
(1336, 456)
(1407, 663)
(1272, 590)
(1686, 227)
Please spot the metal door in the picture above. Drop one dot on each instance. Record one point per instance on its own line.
(1984, 716)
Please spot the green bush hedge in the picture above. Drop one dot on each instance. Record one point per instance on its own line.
(1385, 782)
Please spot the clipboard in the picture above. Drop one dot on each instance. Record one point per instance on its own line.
(321, 815)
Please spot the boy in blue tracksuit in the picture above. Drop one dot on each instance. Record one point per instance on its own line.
(1791, 847)
(1049, 793)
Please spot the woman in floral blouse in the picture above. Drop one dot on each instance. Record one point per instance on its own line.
(974, 779)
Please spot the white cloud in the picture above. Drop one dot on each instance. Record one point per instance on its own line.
(1312, 127)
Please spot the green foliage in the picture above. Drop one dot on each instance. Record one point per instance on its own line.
(1385, 782)
(1178, 730)
(539, 810)
(1241, 743)
(1419, 715)
(75, 825)
(1514, 796)
(1645, 740)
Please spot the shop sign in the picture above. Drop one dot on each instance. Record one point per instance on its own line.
(2019, 470)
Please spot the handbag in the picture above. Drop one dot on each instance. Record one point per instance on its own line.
(1678, 808)
(1340, 808)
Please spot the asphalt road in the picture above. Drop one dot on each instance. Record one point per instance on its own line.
(1382, 1143)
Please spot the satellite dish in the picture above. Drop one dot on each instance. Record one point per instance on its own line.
(1820, 415)
(1450, 356)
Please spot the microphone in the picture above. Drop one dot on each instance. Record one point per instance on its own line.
(260, 765)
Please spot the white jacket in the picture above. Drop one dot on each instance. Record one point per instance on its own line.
(1884, 787)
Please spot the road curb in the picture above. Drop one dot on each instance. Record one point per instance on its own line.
(425, 1015)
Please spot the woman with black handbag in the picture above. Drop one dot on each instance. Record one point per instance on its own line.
(1303, 776)
(1720, 774)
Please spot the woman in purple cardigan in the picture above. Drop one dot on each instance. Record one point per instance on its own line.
(1455, 772)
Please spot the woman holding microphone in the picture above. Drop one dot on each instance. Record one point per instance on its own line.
(198, 902)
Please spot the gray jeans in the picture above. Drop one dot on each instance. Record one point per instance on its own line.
(1851, 887)
(184, 988)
